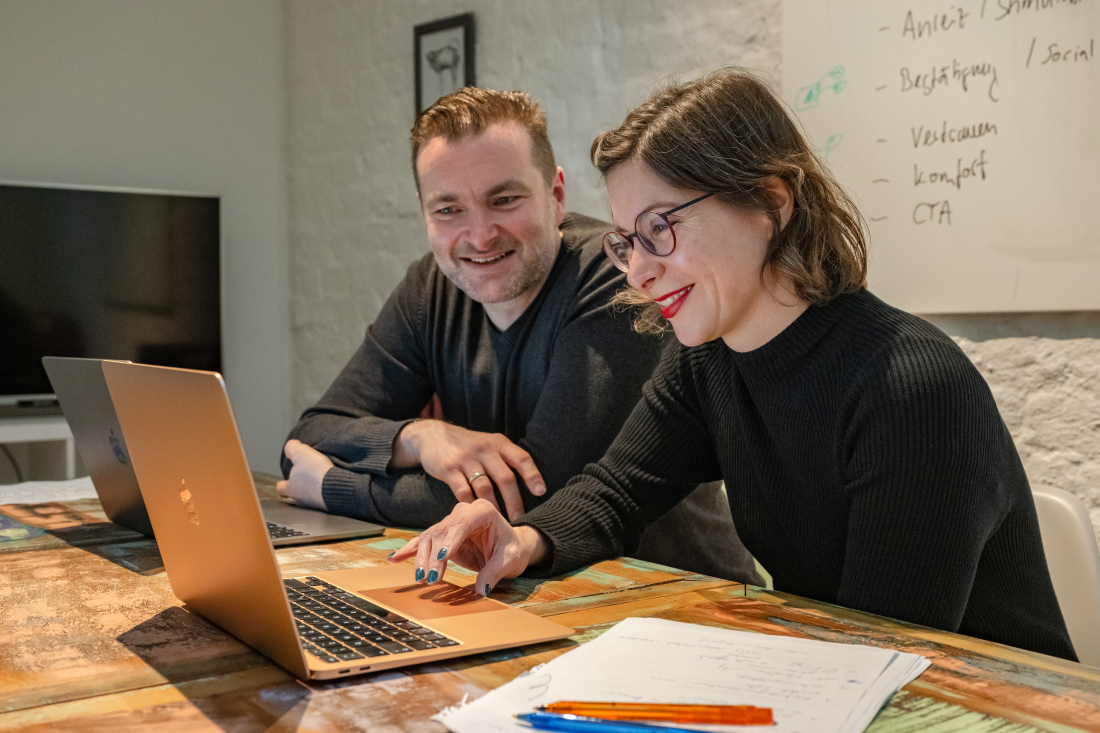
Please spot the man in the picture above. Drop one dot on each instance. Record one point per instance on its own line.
(506, 333)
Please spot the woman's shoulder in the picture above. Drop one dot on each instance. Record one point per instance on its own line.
(888, 329)
(901, 349)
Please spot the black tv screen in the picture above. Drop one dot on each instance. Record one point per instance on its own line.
(105, 274)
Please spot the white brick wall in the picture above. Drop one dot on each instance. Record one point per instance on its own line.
(355, 225)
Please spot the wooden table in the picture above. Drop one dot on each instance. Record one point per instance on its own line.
(92, 639)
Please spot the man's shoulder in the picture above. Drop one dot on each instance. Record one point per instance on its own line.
(424, 278)
(579, 227)
(423, 294)
(582, 240)
(583, 235)
(424, 268)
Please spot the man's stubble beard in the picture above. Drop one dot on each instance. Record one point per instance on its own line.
(536, 267)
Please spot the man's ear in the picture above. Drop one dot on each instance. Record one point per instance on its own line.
(557, 191)
(782, 198)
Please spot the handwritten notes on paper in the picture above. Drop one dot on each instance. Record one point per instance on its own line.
(967, 131)
(812, 686)
(33, 492)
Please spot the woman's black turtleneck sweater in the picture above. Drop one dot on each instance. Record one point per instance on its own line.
(866, 465)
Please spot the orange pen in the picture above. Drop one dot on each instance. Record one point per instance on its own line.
(664, 712)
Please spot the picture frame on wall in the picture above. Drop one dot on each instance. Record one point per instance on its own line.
(444, 58)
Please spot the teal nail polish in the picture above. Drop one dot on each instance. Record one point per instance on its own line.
(432, 576)
(487, 589)
(442, 554)
(390, 556)
(419, 574)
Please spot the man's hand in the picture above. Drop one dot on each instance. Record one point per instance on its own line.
(304, 484)
(433, 410)
(477, 537)
(469, 462)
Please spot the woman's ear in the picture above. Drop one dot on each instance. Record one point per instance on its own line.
(782, 197)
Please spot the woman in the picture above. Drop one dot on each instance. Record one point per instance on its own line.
(865, 460)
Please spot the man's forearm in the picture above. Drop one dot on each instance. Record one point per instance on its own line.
(412, 499)
(360, 444)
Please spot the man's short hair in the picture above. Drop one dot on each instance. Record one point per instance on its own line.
(470, 110)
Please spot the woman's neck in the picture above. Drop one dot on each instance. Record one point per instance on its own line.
(775, 309)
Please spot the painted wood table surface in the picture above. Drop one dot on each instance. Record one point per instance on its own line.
(92, 639)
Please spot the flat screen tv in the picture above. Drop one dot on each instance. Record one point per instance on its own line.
(108, 274)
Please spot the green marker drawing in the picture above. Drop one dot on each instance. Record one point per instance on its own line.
(830, 145)
(809, 97)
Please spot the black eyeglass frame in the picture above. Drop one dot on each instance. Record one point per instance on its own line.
(649, 246)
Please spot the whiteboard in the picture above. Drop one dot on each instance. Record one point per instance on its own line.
(968, 133)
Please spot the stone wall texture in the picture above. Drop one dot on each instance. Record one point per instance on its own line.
(355, 224)
(1048, 391)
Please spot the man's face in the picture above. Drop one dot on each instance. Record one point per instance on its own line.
(492, 219)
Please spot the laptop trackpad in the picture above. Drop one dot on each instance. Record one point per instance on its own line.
(441, 600)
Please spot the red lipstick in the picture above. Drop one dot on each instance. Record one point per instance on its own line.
(671, 303)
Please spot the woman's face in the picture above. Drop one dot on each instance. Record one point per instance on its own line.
(710, 287)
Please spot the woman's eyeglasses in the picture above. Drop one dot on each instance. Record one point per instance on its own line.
(653, 229)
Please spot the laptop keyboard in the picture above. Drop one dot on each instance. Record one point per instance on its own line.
(279, 531)
(335, 625)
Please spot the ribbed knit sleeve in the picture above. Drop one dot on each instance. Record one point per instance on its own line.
(662, 453)
(942, 528)
(407, 499)
(923, 452)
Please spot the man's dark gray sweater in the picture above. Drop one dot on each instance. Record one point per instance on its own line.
(559, 382)
(867, 466)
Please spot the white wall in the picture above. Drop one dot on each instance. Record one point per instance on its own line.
(355, 224)
(170, 95)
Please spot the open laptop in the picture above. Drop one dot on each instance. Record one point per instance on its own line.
(86, 403)
(203, 505)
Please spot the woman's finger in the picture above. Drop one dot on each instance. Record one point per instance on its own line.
(451, 537)
(497, 567)
(424, 549)
(405, 552)
(449, 544)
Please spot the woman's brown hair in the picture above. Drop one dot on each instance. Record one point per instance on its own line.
(724, 134)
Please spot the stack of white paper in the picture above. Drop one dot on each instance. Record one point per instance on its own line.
(36, 492)
(812, 686)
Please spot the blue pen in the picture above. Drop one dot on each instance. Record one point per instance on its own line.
(581, 724)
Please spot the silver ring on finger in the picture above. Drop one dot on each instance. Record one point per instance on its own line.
(479, 474)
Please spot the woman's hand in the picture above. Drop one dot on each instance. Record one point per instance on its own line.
(477, 537)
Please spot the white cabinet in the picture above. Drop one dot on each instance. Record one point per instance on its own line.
(42, 447)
